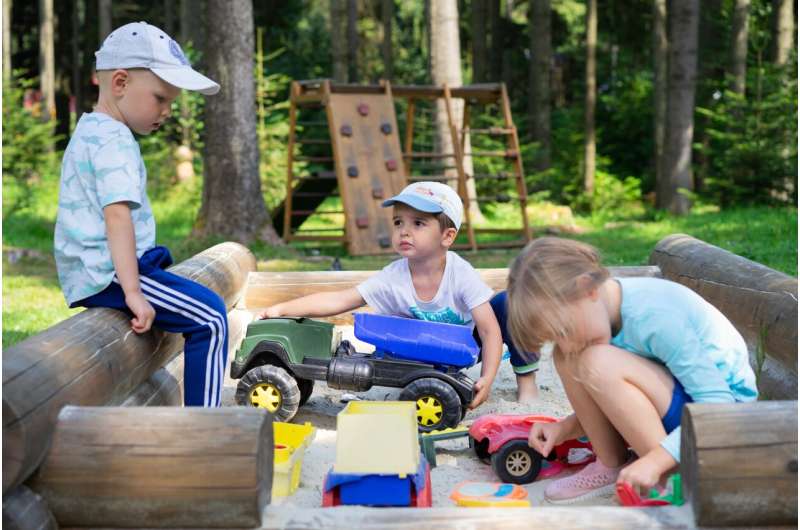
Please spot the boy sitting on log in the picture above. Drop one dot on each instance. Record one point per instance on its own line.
(105, 232)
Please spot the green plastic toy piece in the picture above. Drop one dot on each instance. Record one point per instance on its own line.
(672, 494)
(428, 439)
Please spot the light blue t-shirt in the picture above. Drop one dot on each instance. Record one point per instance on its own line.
(669, 323)
(102, 165)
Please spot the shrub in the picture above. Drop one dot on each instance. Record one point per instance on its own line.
(28, 147)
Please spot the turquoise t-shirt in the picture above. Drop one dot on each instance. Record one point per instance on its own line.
(102, 165)
(669, 323)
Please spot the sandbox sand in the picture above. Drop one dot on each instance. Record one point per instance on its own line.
(456, 461)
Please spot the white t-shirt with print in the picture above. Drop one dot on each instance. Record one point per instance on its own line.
(391, 292)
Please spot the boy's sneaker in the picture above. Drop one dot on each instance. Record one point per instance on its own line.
(594, 480)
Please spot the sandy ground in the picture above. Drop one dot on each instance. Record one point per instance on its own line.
(456, 461)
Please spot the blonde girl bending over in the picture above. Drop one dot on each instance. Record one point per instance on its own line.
(630, 352)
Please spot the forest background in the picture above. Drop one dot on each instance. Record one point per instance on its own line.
(637, 118)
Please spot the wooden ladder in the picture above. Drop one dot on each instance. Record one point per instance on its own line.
(458, 133)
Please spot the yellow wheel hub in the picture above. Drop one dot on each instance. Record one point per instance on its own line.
(429, 411)
(518, 463)
(265, 396)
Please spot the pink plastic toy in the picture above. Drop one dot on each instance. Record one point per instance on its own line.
(502, 440)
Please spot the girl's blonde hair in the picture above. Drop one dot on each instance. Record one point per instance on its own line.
(549, 274)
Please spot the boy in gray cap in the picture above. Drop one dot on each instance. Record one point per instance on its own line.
(429, 282)
(105, 248)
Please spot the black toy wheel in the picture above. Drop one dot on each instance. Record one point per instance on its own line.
(306, 388)
(270, 387)
(517, 462)
(438, 404)
(482, 451)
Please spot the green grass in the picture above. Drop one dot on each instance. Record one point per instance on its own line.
(32, 299)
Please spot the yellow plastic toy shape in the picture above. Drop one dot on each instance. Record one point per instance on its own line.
(377, 437)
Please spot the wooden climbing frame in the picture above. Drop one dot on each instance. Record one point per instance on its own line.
(350, 146)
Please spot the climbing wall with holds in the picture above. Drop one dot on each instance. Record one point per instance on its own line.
(369, 166)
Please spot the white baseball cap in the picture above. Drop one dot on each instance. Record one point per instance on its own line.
(142, 45)
(431, 197)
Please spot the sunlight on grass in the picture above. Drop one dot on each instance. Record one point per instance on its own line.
(32, 300)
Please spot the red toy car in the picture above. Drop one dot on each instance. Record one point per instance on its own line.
(502, 440)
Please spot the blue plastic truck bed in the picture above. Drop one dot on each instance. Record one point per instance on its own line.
(418, 340)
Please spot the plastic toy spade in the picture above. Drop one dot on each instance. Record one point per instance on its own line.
(671, 495)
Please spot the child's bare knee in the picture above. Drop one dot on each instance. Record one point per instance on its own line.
(596, 365)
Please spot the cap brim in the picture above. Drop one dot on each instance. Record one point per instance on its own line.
(416, 202)
(187, 79)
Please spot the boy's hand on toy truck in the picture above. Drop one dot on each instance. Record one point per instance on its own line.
(481, 389)
(143, 312)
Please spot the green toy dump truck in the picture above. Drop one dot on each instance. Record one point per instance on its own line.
(280, 359)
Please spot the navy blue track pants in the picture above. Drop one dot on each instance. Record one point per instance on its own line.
(181, 306)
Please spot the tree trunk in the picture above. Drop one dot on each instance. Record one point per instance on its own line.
(47, 65)
(784, 30)
(591, 96)
(739, 47)
(233, 206)
(539, 94)
(387, 14)
(78, 17)
(7, 4)
(660, 57)
(479, 50)
(496, 56)
(352, 41)
(193, 26)
(684, 16)
(338, 13)
(105, 20)
(446, 69)
(169, 17)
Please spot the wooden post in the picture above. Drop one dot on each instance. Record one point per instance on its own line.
(287, 202)
(739, 462)
(458, 155)
(761, 303)
(158, 467)
(93, 358)
(26, 510)
(512, 144)
(268, 288)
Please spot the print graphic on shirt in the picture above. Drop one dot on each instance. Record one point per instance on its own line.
(446, 315)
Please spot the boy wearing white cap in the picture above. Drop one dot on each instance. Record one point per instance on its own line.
(428, 283)
(104, 241)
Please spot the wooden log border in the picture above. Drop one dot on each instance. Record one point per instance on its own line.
(761, 303)
(268, 288)
(158, 467)
(93, 358)
(739, 462)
